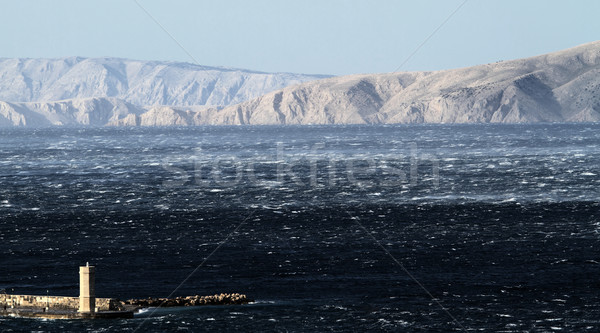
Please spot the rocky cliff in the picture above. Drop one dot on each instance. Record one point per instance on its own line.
(92, 111)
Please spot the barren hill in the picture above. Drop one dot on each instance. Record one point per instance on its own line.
(562, 86)
(556, 87)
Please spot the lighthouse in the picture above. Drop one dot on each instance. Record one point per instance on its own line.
(87, 294)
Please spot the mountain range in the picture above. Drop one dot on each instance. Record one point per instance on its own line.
(562, 86)
(94, 91)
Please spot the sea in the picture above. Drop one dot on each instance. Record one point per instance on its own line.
(392, 228)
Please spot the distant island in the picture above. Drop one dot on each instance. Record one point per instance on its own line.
(563, 86)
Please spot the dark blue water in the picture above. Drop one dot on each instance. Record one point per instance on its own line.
(358, 228)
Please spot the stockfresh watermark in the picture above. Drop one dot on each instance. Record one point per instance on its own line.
(314, 167)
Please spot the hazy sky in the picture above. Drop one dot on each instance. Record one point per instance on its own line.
(321, 36)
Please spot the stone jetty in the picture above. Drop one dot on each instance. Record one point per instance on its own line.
(218, 299)
(88, 306)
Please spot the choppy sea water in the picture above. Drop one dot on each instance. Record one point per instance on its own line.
(348, 228)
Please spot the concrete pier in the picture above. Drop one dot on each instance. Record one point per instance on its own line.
(86, 306)
(62, 314)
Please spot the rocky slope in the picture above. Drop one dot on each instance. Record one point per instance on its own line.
(93, 111)
(562, 86)
(556, 87)
(136, 82)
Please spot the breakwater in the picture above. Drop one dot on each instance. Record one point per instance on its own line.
(87, 306)
(65, 307)
(218, 299)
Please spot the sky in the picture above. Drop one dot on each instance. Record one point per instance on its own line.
(335, 37)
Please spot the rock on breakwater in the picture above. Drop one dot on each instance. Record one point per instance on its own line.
(218, 299)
